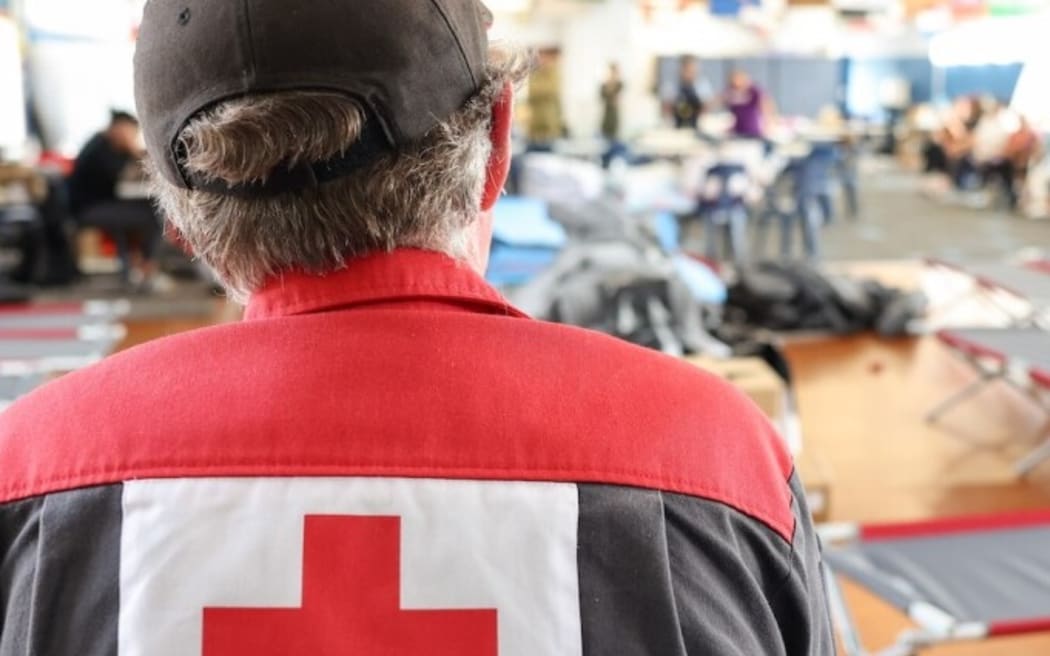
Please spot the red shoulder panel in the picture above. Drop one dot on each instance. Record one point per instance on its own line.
(384, 391)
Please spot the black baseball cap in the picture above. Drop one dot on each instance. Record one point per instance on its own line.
(410, 64)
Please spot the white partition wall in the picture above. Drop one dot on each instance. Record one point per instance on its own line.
(80, 64)
(1032, 96)
(12, 101)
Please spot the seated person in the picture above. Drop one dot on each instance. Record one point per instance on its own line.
(1004, 146)
(1036, 171)
(1037, 185)
(131, 223)
(1023, 151)
(948, 154)
(961, 126)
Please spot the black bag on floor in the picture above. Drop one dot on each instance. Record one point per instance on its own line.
(796, 296)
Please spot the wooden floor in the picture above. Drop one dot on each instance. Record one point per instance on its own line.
(862, 403)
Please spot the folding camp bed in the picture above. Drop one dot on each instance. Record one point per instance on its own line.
(957, 580)
(1018, 357)
(61, 315)
(25, 352)
(1029, 282)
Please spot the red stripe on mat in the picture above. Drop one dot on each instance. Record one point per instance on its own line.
(943, 264)
(995, 285)
(1042, 266)
(47, 309)
(40, 333)
(1017, 627)
(955, 526)
(969, 347)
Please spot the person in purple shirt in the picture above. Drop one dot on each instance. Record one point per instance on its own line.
(749, 105)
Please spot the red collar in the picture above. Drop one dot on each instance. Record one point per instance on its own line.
(403, 275)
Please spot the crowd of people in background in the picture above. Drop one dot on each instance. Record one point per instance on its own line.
(977, 146)
(980, 145)
(751, 107)
(685, 104)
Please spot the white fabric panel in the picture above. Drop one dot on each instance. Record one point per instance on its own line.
(12, 102)
(189, 544)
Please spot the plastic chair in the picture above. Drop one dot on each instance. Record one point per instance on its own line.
(723, 210)
(849, 176)
(778, 206)
(812, 178)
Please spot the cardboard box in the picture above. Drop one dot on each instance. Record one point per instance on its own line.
(754, 378)
(816, 480)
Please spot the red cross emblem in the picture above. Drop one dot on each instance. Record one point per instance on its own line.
(351, 605)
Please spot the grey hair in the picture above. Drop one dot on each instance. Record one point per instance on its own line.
(425, 196)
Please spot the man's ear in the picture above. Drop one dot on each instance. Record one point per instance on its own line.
(499, 162)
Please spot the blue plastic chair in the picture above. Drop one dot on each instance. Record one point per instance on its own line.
(725, 215)
(812, 178)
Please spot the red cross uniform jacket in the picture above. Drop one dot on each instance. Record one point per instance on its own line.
(391, 461)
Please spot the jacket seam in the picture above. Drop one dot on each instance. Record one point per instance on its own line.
(31, 628)
(670, 575)
(230, 470)
(792, 550)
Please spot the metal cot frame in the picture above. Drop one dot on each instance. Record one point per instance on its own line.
(57, 350)
(1008, 364)
(1028, 282)
(62, 315)
(934, 626)
(39, 340)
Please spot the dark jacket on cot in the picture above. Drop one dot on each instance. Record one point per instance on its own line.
(393, 460)
(96, 172)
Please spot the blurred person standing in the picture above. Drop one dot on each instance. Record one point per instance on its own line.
(751, 107)
(546, 123)
(131, 223)
(611, 92)
(691, 95)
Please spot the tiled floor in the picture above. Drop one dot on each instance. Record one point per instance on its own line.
(898, 222)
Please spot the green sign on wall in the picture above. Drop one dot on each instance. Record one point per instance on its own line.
(1008, 7)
